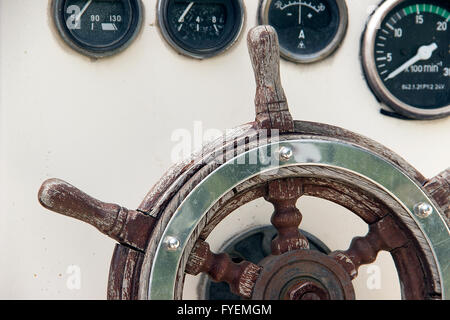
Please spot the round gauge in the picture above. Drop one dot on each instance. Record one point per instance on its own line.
(98, 28)
(406, 57)
(308, 31)
(203, 28)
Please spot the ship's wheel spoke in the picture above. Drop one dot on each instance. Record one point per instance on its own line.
(383, 235)
(241, 277)
(286, 218)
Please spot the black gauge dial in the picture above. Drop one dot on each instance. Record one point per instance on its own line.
(201, 28)
(409, 64)
(307, 30)
(98, 27)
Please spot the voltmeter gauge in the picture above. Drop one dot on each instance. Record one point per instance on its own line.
(97, 28)
(308, 30)
(202, 28)
(406, 57)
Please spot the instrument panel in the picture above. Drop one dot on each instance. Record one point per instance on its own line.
(404, 51)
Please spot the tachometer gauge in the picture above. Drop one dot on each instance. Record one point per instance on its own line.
(308, 30)
(202, 28)
(406, 56)
(97, 28)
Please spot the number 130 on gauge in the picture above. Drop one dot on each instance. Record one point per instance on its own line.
(97, 28)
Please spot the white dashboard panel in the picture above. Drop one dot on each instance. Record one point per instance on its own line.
(108, 126)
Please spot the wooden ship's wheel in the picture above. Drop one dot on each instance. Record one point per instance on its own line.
(280, 160)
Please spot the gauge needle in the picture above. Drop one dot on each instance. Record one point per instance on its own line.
(185, 12)
(424, 53)
(83, 10)
(300, 13)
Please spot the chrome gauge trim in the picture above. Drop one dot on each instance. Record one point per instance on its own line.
(372, 76)
(358, 161)
(320, 55)
(162, 23)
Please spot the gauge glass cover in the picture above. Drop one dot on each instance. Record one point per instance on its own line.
(308, 31)
(406, 57)
(98, 28)
(202, 28)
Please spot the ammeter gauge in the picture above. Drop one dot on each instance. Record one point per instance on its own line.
(406, 57)
(97, 28)
(202, 28)
(308, 30)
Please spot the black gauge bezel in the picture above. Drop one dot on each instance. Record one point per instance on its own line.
(97, 51)
(263, 18)
(180, 47)
(373, 79)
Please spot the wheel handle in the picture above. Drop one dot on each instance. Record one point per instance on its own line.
(125, 226)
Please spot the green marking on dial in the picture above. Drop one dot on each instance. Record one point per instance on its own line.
(426, 8)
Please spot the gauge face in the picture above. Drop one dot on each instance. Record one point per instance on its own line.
(202, 28)
(308, 31)
(406, 56)
(98, 27)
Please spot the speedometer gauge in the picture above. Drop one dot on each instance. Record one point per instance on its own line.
(406, 57)
(97, 28)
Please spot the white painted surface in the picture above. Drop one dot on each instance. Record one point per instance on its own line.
(105, 126)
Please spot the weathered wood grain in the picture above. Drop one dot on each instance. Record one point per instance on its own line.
(439, 189)
(272, 111)
(241, 277)
(126, 226)
(286, 218)
(125, 268)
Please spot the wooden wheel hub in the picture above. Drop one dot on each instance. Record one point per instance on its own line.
(307, 290)
(302, 275)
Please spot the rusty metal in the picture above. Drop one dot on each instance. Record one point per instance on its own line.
(241, 276)
(302, 274)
